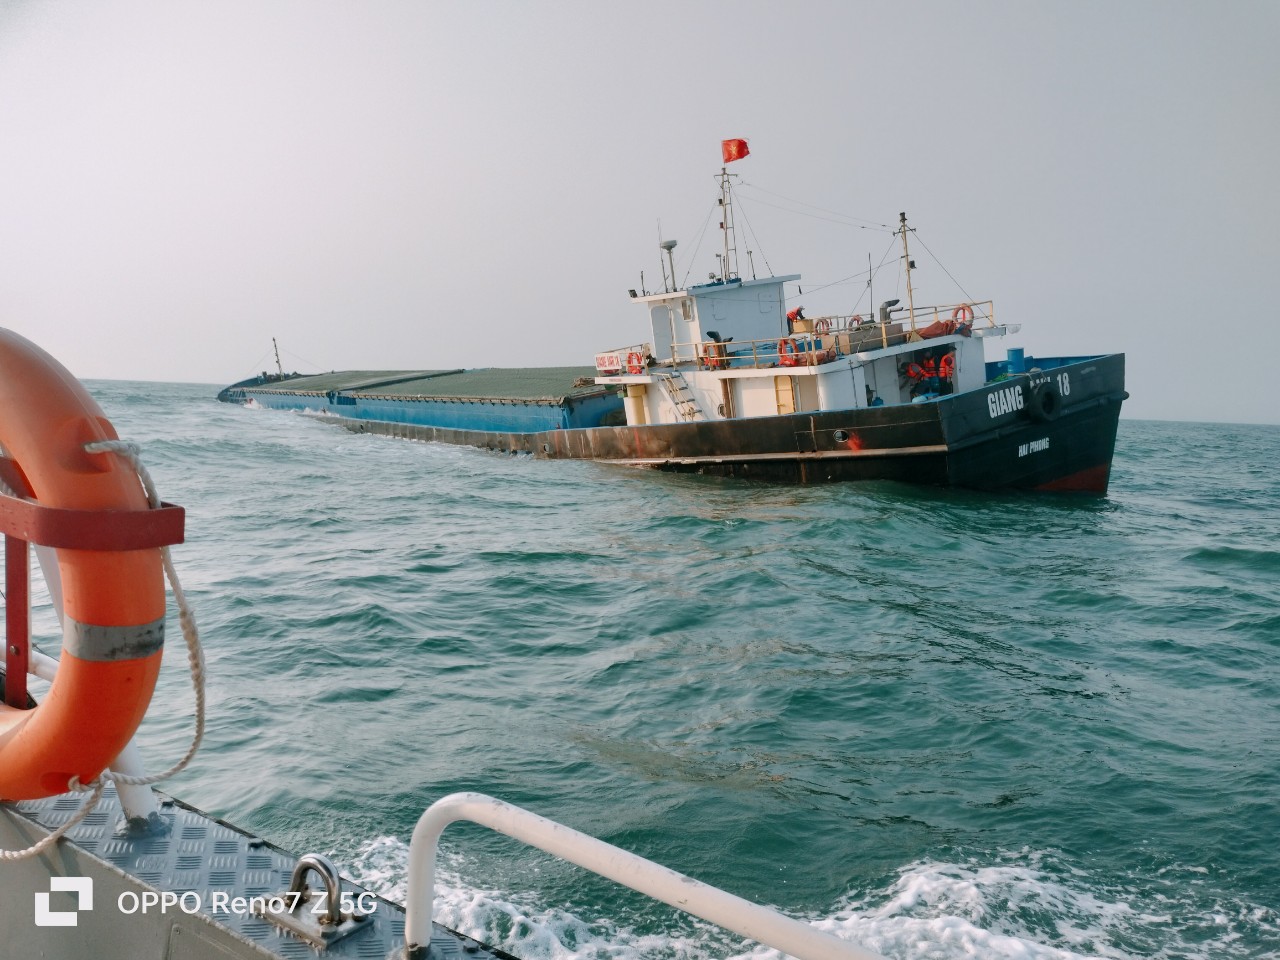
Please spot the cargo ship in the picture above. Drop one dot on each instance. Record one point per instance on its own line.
(732, 381)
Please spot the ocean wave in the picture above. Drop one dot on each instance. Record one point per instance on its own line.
(1028, 905)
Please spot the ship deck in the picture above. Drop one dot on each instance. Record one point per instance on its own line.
(528, 384)
(194, 857)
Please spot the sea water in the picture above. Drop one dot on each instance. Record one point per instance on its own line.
(939, 723)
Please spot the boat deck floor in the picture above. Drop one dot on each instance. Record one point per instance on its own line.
(192, 853)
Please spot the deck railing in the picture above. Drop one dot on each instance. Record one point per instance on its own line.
(743, 917)
(817, 340)
(822, 339)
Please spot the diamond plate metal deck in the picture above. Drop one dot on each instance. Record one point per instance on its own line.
(195, 854)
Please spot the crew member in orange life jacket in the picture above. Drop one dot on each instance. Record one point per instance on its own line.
(947, 373)
(792, 317)
(925, 375)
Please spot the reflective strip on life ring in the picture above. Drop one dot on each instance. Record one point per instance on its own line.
(635, 363)
(113, 602)
(962, 314)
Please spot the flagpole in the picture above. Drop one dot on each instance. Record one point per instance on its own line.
(730, 150)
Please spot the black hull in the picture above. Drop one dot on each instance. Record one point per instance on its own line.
(1025, 433)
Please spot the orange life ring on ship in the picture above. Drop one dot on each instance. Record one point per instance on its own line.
(962, 314)
(635, 363)
(822, 325)
(713, 356)
(788, 355)
(113, 602)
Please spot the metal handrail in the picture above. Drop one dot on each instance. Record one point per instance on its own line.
(763, 352)
(709, 903)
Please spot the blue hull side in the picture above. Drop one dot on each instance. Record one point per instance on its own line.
(486, 415)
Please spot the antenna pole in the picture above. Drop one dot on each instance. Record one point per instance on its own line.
(871, 290)
(906, 259)
(729, 268)
(668, 245)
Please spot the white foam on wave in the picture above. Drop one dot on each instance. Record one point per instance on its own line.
(1028, 906)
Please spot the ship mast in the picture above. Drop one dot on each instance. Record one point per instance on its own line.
(906, 259)
(276, 347)
(728, 266)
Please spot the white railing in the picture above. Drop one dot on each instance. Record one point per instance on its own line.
(684, 893)
(821, 339)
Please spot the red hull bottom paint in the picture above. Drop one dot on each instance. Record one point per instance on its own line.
(1091, 480)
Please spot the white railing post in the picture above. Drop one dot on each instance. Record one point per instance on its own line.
(710, 903)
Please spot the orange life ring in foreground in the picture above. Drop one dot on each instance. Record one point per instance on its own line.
(113, 602)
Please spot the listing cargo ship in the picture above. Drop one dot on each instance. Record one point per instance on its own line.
(731, 382)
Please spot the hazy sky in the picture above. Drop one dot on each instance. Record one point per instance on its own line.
(425, 184)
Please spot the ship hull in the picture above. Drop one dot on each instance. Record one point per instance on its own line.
(1052, 431)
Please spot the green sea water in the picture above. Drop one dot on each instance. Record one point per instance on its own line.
(940, 723)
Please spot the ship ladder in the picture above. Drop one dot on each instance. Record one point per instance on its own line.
(682, 397)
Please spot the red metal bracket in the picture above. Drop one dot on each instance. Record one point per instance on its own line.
(91, 529)
(24, 521)
(17, 622)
